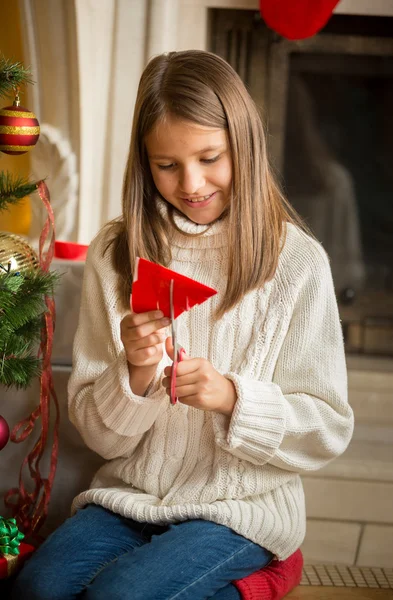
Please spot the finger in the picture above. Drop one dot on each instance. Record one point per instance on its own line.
(191, 401)
(140, 356)
(185, 391)
(188, 385)
(169, 350)
(189, 379)
(154, 339)
(143, 330)
(133, 319)
(166, 382)
(188, 366)
(169, 347)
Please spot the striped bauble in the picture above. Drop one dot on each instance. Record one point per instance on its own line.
(19, 130)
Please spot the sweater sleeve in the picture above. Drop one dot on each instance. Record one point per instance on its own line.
(301, 419)
(109, 416)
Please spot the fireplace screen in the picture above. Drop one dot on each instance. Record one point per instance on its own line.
(328, 104)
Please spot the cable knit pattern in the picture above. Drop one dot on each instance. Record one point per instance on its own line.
(281, 346)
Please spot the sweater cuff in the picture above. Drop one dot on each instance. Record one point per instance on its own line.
(257, 425)
(120, 409)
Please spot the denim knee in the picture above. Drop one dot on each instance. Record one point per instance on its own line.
(35, 585)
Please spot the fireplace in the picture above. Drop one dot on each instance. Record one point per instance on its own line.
(328, 105)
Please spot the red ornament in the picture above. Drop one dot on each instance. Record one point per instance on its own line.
(19, 129)
(4, 432)
(297, 19)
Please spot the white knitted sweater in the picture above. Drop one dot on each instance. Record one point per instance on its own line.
(281, 346)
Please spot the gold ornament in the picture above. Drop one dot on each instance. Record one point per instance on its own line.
(16, 255)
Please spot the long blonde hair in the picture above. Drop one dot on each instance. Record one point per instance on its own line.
(203, 88)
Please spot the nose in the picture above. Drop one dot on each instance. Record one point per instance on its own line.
(191, 180)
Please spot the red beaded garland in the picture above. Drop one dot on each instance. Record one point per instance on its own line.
(19, 130)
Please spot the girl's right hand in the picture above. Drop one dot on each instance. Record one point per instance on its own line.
(143, 336)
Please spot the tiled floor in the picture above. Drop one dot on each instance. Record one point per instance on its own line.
(331, 593)
(347, 577)
(337, 582)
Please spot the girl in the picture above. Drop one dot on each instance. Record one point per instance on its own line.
(197, 495)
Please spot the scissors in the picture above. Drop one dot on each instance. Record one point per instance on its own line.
(178, 351)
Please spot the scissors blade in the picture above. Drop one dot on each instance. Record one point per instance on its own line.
(172, 313)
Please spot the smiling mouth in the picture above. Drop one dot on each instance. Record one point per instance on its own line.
(200, 199)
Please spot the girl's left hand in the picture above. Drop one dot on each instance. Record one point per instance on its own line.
(198, 384)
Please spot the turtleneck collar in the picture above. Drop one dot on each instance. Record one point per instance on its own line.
(191, 235)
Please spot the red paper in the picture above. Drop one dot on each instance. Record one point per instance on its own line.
(297, 19)
(150, 289)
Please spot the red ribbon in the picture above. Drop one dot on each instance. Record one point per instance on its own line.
(30, 509)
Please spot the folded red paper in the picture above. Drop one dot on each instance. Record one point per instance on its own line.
(150, 289)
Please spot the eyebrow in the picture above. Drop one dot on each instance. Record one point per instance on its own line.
(207, 149)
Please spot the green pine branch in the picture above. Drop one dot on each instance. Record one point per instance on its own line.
(29, 331)
(12, 76)
(22, 295)
(17, 346)
(18, 341)
(13, 189)
(22, 310)
(19, 372)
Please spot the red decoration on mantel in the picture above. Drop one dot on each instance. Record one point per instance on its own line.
(70, 250)
(297, 19)
(150, 289)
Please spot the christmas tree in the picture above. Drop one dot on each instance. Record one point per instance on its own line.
(23, 284)
(27, 312)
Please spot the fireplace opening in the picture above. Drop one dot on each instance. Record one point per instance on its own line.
(328, 105)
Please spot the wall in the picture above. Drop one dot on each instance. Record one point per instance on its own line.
(18, 218)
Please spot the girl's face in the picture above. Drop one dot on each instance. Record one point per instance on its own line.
(191, 167)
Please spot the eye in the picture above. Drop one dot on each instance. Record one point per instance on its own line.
(208, 161)
(166, 167)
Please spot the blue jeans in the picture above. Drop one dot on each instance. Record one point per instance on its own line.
(99, 555)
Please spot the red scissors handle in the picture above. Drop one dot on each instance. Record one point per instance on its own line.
(178, 357)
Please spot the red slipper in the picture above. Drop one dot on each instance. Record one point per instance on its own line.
(274, 581)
